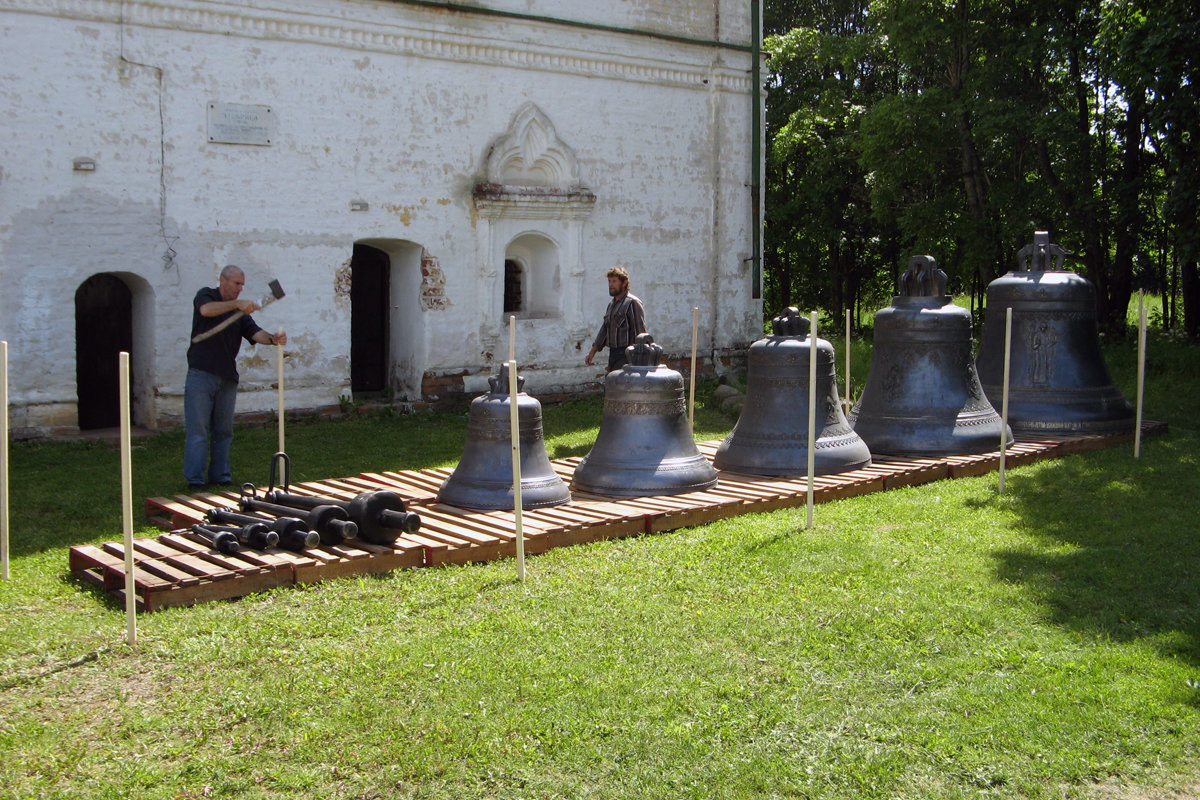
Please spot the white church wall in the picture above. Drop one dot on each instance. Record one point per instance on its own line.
(725, 21)
(378, 106)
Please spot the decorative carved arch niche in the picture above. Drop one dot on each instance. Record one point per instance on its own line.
(532, 174)
(532, 188)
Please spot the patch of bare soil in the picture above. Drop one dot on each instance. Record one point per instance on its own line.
(1121, 791)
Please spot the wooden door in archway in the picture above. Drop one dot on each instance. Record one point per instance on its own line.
(103, 328)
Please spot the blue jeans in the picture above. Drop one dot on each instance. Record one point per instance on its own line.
(208, 403)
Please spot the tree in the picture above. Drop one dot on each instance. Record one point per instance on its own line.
(958, 127)
(822, 245)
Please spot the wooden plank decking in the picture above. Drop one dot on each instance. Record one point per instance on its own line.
(177, 568)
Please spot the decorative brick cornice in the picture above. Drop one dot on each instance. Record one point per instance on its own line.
(493, 201)
(364, 35)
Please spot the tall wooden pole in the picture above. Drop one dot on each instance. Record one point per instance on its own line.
(846, 397)
(4, 460)
(1004, 394)
(127, 504)
(692, 378)
(279, 380)
(1141, 373)
(812, 410)
(515, 436)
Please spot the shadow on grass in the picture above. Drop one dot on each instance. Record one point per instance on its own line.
(769, 542)
(101, 597)
(569, 450)
(1119, 548)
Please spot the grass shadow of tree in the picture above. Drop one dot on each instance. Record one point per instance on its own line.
(1119, 547)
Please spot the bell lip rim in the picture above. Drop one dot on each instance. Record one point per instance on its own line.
(656, 491)
(803, 473)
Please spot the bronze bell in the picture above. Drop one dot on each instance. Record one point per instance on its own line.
(1058, 381)
(645, 444)
(483, 478)
(771, 435)
(922, 396)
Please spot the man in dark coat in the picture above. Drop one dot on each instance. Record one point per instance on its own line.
(624, 319)
(210, 392)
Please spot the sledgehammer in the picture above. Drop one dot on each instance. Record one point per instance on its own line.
(276, 293)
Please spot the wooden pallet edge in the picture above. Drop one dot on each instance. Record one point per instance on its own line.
(398, 559)
(916, 477)
(95, 579)
(208, 591)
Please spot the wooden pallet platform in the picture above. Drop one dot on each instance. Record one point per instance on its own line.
(178, 568)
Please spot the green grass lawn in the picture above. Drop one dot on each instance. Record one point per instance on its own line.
(936, 642)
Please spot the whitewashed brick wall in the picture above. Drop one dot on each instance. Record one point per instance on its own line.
(383, 103)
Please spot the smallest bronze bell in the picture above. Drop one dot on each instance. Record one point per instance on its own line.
(483, 478)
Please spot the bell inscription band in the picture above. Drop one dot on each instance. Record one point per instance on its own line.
(922, 396)
(1058, 381)
(645, 446)
(483, 478)
(771, 435)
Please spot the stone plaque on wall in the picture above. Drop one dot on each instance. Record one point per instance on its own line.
(237, 123)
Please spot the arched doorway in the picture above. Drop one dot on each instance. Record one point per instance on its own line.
(369, 292)
(103, 328)
(386, 321)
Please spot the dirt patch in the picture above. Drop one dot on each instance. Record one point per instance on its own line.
(1119, 791)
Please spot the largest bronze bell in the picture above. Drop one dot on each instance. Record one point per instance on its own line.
(645, 444)
(771, 435)
(1058, 381)
(922, 396)
(483, 478)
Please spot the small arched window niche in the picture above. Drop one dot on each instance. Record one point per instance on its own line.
(532, 279)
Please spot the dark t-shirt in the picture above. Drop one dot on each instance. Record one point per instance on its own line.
(218, 353)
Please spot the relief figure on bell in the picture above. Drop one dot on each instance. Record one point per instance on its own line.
(1042, 344)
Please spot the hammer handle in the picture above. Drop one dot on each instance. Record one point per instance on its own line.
(225, 323)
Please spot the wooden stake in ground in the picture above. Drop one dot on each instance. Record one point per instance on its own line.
(846, 398)
(4, 460)
(1141, 373)
(127, 504)
(692, 379)
(515, 435)
(279, 348)
(1004, 393)
(812, 409)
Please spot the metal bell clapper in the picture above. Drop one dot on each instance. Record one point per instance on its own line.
(771, 435)
(483, 478)
(1058, 381)
(645, 445)
(922, 396)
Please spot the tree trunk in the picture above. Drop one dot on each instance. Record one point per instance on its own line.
(1129, 223)
(1190, 289)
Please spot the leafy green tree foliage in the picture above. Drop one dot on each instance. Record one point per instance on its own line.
(822, 244)
(958, 127)
(1149, 53)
